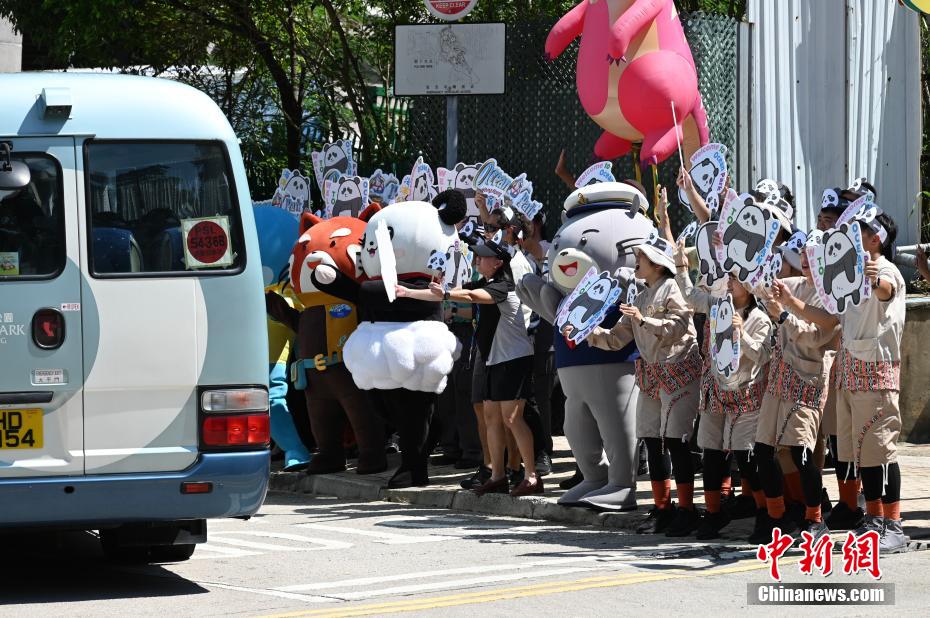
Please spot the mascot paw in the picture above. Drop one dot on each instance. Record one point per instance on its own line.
(325, 273)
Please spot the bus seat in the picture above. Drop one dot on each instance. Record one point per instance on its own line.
(116, 251)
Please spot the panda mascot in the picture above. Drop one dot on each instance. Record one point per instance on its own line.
(604, 221)
(401, 352)
(277, 231)
(323, 327)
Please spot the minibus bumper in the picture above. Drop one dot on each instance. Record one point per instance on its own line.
(239, 484)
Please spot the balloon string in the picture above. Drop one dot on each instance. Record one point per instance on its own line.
(655, 192)
(681, 157)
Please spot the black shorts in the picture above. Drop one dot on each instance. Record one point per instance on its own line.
(510, 380)
(479, 385)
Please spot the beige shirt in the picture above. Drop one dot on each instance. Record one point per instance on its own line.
(667, 333)
(755, 338)
(806, 347)
(872, 331)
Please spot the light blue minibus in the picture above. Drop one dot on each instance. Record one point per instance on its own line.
(133, 346)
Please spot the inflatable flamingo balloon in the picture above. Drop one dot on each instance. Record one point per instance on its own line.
(633, 63)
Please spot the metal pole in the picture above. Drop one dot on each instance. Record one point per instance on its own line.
(452, 131)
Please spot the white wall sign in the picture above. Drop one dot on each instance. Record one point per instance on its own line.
(449, 59)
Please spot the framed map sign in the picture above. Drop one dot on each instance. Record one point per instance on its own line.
(449, 59)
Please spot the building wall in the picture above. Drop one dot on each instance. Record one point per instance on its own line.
(834, 93)
(11, 48)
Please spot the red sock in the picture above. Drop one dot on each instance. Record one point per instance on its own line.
(892, 510)
(759, 497)
(712, 500)
(848, 494)
(812, 514)
(662, 493)
(745, 487)
(726, 486)
(874, 508)
(685, 495)
(776, 507)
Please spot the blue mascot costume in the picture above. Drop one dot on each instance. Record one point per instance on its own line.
(277, 233)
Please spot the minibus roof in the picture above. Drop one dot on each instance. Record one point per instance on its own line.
(107, 106)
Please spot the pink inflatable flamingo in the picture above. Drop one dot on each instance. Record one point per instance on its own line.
(634, 61)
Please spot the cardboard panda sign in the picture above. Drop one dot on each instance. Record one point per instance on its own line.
(383, 188)
(419, 185)
(346, 196)
(293, 192)
(838, 268)
(462, 178)
(587, 306)
(724, 343)
(333, 161)
(453, 265)
(709, 175)
(711, 272)
(748, 231)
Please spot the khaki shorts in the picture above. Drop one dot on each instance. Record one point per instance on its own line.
(854, 413)
(787, 423)
(727, 432)
(671, 416)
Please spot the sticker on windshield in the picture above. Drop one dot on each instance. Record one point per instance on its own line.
(9, 263)
(206, 242)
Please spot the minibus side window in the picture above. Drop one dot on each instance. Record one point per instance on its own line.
(162, 208)
(32, 223)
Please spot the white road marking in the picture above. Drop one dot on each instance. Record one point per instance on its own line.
(459, 583)
(219, 552)
(309, 543)
(271, 593)
(472, 570)
(384, 537)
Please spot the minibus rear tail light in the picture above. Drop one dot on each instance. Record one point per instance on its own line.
(249, 430)
(196, 488)
(234, 400)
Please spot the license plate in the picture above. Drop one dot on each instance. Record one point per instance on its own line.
(20, 429)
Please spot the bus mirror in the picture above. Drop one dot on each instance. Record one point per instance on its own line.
(13, 174)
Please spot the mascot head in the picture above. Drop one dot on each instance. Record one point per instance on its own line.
(335, 241)
(418, 231)
(604, 222)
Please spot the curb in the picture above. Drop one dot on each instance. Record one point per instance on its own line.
(458, 499)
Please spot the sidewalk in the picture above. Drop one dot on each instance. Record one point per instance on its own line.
(444, 492)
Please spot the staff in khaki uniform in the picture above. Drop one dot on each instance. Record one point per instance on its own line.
(667, 373)
(869, 380)
(792, 407)
(729, 405)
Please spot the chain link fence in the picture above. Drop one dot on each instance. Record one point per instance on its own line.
(540, 114)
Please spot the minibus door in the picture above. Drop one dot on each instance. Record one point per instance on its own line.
(41, 360)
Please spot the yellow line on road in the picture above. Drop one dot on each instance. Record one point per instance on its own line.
(547, 588)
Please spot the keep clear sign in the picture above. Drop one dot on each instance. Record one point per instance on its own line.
(206, 242)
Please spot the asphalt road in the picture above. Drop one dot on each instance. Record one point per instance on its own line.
(317, 556)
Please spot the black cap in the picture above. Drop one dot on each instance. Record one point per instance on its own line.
(492, 249)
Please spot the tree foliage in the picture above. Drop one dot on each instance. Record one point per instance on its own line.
(286, 72)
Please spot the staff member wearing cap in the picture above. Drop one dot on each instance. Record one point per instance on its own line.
(508, 352)
(667, 373)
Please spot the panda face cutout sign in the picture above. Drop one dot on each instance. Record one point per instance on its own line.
(345, 197)
(383, 188)
(709, 175)
(293, 192)
(724, 344)
(333, 161)
(838, 268)
(711, 272)
(587, 306)
(748, 231)
(462, 178)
